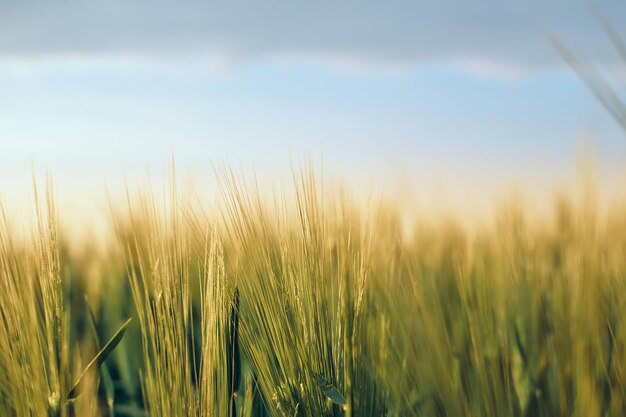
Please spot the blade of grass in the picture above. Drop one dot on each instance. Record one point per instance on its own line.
(109, 387)
(102, 355)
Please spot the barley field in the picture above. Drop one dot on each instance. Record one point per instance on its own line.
(307, 303)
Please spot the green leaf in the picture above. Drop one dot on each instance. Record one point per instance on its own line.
(99, 358)
(329, 390)
(109, 387)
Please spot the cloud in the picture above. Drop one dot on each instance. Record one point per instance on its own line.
(482, 36)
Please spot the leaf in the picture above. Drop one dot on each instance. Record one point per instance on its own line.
(234, 358)
(109, 387)
(520, 345)
(100, 358)
(329, 390)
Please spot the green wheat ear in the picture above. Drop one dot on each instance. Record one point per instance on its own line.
(99, 358)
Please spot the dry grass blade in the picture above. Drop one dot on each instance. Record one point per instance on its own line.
(596, 83)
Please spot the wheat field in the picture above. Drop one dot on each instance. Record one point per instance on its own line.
(307, 303)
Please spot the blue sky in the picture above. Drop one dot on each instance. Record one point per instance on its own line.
(447, 93)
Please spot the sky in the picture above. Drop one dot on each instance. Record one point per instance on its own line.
(455, 98)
